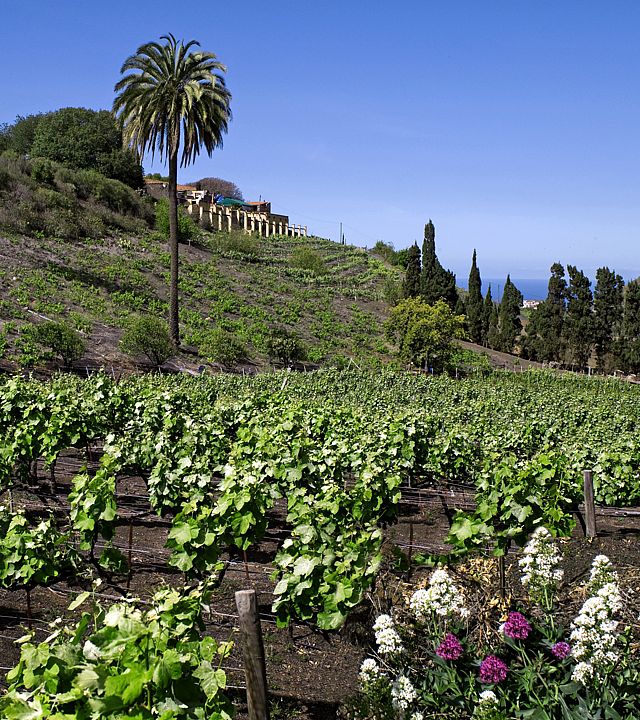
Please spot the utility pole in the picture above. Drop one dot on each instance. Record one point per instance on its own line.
(341, 234)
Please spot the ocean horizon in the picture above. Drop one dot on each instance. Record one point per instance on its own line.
(531, 289)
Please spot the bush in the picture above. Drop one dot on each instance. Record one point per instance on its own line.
(61, 339)
(285, 346)
(304, 258)
(246, 245)
(187, 229)
(42, 171)
(222, 347)
(148, 336)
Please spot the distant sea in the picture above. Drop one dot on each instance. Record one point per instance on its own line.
(530, 289)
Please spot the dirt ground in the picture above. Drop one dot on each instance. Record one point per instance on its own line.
(309, 673)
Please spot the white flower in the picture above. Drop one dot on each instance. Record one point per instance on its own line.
(416, 716)
(540, 564)
(91, 651)
(582, 673)
(602, 573)
(488, 696)
(442, 599)
(402, 693)
(387, 636)
(369, 671)
(594, 632)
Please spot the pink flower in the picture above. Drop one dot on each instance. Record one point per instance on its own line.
(450, 648)
(517, 627)
(493, 670)
(561, 650)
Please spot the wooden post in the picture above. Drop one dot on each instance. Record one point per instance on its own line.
(589, 506)
(253, 654)
(502, 577)
(129, 556)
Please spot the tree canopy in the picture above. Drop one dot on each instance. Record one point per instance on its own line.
(218, 185)
(77, 138)
(424, 333)
(173, 95)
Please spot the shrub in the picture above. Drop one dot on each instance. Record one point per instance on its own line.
(304, 258)
(61, 339)
(149, 336)
(42, 171)
(246, 245)
(187, 229)
(223, 347)
(285, 346)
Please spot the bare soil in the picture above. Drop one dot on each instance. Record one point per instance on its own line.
(310, 674)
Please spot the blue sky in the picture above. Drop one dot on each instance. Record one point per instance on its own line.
(513, 124)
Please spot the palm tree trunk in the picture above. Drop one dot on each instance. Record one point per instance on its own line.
(174, 329)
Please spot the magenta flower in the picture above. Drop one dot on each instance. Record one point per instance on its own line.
(493, 670)
(561, 650)
(517, 627)
(450, 648)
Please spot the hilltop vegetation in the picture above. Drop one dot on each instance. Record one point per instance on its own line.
(80, 248)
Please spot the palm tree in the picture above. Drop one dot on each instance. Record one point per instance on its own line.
(170, 95)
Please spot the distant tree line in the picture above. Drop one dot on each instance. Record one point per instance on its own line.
(486, 323)
(77, 138)
(575, 324)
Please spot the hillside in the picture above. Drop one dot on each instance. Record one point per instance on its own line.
(59, 263)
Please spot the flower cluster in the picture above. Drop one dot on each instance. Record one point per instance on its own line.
(441, 599)
(387, 637)
(540, 565)
(517, 626)
(493, 670)
(450, 648)
(561, 650)
(403, 694)
(594, 632)
(369, 671)
(487, 707)
(602, 573)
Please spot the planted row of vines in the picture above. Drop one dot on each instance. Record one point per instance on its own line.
(216, 454)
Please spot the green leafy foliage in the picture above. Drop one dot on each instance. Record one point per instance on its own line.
(306, 259)
(124, 661)
(149, 336)
(223, 347)
(32, 554)
(424, 333)
(285, 346)
(61, 339)
(187, 229)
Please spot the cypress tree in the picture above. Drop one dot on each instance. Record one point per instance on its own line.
(487, 311)
(493, 332)
(436, 283)
(509, 324)
(411, 284)
(630, 343)
(578, 323)
(608, 311)
(475, 308)
(544, 338)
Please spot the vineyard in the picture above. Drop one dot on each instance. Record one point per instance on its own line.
(296, 478)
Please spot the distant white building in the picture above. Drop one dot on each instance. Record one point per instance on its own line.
(531, 304)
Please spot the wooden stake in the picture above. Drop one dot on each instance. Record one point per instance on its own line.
(502, 580)
(29, 616)
(589, 505)
(129, 558)
(246, 565)
(253, 655)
